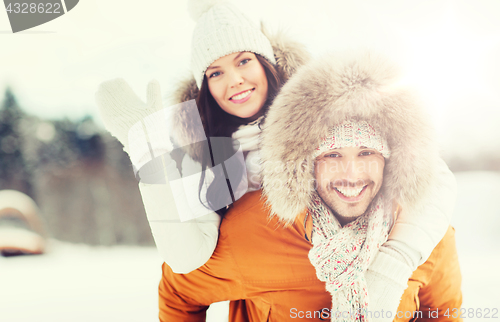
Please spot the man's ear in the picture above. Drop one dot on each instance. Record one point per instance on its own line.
(314, 183)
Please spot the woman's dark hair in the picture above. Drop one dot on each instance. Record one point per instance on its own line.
(218, 123)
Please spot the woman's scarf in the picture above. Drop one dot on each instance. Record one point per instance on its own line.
(247, 137)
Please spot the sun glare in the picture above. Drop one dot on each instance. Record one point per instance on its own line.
(448, 59)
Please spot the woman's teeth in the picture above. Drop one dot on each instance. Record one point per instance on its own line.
(242, 95)
(350, 192)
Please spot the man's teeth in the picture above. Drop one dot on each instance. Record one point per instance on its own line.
(350, 192)
(242, 95)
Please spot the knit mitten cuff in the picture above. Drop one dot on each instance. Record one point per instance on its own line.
(386, 279)
(391, 265)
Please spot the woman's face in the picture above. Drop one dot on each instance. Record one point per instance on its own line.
(238, 83)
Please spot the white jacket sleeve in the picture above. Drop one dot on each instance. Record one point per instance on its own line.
(183, 245)
(416, 233)
(423, 227)
(184, 230)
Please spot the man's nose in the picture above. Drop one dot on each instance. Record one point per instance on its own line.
(353, 168)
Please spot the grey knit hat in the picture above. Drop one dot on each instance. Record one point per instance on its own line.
(221, 30)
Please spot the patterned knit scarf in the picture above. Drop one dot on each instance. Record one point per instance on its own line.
(341, 255)
(248, 137)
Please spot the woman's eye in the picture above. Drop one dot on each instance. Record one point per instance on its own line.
(367, 153)
(214, 74)
(244, 61)
(333, 155)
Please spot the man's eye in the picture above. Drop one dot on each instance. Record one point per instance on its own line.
(244, 61)
(214, 74)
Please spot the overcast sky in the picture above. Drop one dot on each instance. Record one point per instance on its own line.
(450, 50)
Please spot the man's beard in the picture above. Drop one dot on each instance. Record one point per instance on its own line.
(344, 211)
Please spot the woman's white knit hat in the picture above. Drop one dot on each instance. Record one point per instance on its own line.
(221, 30)
(354, 134)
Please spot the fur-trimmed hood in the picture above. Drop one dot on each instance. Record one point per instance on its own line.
(326, 92)
(289, 56)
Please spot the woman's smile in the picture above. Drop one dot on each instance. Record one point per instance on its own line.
(242, 97)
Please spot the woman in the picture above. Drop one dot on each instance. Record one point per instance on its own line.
(266, 63)
(222, 33)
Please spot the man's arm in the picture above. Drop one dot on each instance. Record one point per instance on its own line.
(173, 304)
(174, 301)
(441, 297)
(186, 297)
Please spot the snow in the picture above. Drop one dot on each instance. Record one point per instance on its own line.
(82, 283)
(477, 223)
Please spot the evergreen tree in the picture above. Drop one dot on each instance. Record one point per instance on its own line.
(13, 171)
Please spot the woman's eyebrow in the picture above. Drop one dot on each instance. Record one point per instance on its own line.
(238, 56)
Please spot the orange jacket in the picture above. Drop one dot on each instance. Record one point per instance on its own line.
(264, 270)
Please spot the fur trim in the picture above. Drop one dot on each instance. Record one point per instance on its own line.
(289, 55)
(326, 92)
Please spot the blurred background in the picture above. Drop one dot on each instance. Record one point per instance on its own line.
(79, 203)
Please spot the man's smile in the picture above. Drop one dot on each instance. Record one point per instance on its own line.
(349, 194)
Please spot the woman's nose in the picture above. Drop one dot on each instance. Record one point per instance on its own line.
(236, 78)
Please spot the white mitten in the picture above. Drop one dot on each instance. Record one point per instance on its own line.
(141, 127)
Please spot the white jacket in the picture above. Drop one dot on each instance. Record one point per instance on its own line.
(187, 245)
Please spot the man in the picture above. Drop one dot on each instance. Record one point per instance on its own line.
(344, 150)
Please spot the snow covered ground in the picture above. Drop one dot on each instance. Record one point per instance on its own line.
(79, 283)
(477, 224)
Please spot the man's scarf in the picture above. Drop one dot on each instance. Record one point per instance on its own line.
(341, 255)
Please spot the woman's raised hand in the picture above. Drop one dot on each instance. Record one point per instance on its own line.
(141, 127)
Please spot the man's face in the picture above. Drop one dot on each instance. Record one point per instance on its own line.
(348, 179)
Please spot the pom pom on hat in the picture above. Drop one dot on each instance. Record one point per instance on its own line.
(197, 8)
(222, 29)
